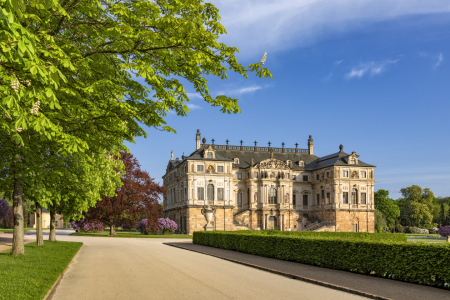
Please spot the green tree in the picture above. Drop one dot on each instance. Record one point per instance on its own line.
(416, 206)
(387, 207)
(69, 74)
(380, 222)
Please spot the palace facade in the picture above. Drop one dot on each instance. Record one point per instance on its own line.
(252, 187)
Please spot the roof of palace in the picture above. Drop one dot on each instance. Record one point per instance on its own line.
(311, 162)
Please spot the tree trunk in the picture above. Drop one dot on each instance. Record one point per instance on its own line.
(52, 236)
(18, 245)
(112, 230)
(39, 236)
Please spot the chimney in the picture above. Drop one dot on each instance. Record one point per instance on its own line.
(197, 139)
(310, 145)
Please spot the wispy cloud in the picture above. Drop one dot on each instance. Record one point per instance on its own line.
(438, 59)
(372, 68)
(240, 91)
(193, 106)
(328, 77)
(256, 26)
(338, 62)
(194, 96)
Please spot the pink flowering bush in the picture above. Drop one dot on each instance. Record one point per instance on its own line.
(145, 227)
(4, 208)
(167, 226)
(444, 231)
(88, 226)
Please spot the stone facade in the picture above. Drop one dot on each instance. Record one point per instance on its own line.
(266, 187)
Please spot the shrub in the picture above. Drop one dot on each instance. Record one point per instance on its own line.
(412, 229)
(411, 262)
(166, 225)
(4, 208)
(87, 226)
(8, 220)
(444, 231)
(128, 227)
(399, 228)
(145, 227)
(433, 230)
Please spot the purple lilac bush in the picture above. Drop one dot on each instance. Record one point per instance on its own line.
(167, 225)
(4, 208)
(144, 226)
(444, 231)
(88, 226)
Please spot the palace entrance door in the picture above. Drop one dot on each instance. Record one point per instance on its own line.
(272, 223)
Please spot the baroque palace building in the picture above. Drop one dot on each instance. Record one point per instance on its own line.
(252, 187)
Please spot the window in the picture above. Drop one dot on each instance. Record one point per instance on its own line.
(328, 174)
(317, 177)
(305, 177)
(210, 192)
(209, 155)
(344, 173)
(354, 196)
(294, 177)
(220, 194)
(294, 200)
(236, 161)
(317, 199)
(363, 174)
(352, 161)
(272, 196)
(239, 175)
(363, 198)
(181, 224)
(199, 168)
(305, 201)
(56, 223)
(239, 198)
(345, 197)
(328, 198)
(286, 176)
(354, 227)
(201, 193)
(255, 175)
(220, 169)
(301, 163)
(323, 197)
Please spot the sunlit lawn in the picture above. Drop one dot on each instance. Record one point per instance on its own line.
(30, 276)
(25, 229)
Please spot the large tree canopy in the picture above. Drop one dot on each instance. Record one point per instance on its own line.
(387, 207)
(416, 206)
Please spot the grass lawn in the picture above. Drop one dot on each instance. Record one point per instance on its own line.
(135, 234)
(31, 276)
(25, 229)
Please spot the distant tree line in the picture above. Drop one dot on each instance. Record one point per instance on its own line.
(416, 208)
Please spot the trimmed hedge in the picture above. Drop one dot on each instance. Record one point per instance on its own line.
(398, 237)
(411, 262)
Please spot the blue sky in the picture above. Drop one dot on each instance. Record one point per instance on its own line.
(371, 75)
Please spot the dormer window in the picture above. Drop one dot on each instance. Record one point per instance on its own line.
(236, 161)
(209, 155)
(289, 163)
(301, 163)
(352, 161)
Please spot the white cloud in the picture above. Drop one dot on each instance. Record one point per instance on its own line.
(439, 58)
(244, 90)
(256, 26)
(338, 62)
(193, 106)
(372, 68)
(194, 96)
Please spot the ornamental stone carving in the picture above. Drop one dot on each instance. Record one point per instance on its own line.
(273, 164)
(355, 174)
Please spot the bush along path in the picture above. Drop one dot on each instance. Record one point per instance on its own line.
(31, 276)
(416, 263)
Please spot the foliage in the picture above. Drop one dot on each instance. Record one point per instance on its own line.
(333, 235)
(387, 207)
(31, 276)
(411, 262)
(138, 196)
(444, 231)
(416, 207)
(380, 222)
(412, 229)
(86, 226)
(4, 208)
(146, 227)
(132, 235)
(8, 220)
(398, 228)
(166, 224)
(129, 226)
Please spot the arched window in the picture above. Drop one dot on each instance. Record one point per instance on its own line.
(210, 192)
(354, 196)
(272, 196)
(209, 155)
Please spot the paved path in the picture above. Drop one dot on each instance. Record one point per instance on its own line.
(6, 240)
(138, 268)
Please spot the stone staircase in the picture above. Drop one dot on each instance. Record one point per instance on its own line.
(241, 219)
(313, 224)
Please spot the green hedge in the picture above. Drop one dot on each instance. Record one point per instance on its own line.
(398, 237)
(421, 263)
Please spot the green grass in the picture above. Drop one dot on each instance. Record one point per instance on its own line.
(134, 234)
(25, 229)
(424, 234)
(30, 276)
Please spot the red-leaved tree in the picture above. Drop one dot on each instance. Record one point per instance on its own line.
(137, 197)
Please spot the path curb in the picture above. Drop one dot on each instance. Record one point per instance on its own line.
(302, 278)
(52, 291)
